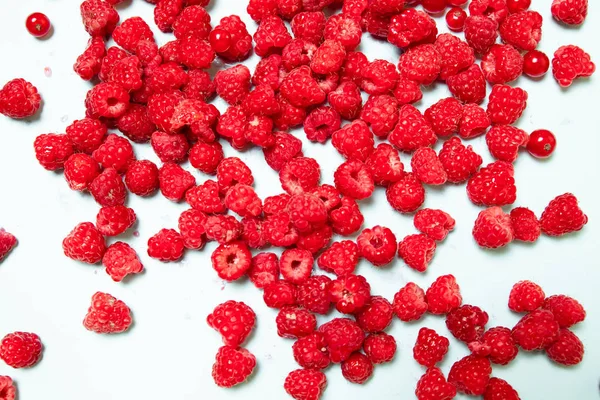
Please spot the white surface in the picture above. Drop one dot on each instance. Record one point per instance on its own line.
(169, 351)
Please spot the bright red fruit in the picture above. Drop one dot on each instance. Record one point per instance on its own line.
(536, 64)
(38, 24)
(541, 143)
(455, 19)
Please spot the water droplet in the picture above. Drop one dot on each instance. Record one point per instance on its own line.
(136, 233)
(64, 118)
(48, 72)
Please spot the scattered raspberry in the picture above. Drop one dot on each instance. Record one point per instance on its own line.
(526, 226)
(161, 108)
(86, 134)
(108, 188)
(99, 17)
(127, 73)
(346, 219)
(316, 240)
(493, 228)
(459, 162)
(481, 33)
(8, 391)
(329, 195)
(279, 294)
(311, 351)
(80, 171)
(567, 349)
(421, 64)
(354, 141)
(167, 245)
(232, 366)
(433, 386)
(295, 322)
(523, 30)
(566, 310)
(412, 131)
(410, 303)
(276, 204)
(107, 315)
(380, 112)
(467, 323)
(346, 100)
(222, 228)
(385, 165)
(132, 31)
(88, 64)
(121, 260)
(232, 171)
(233, 84)
(411, 26)
(526, 296)
(21, 349)
(299, 174)
(19, 99)
(436, 224)
(417, 251)
(379, 77)
(279, 231)
(497, 344)
(456, 55)
(340, 258)
(296, 265)
(242, 200)
(562, 216)
(85, 243)
(493, 185)
(499, 389)
(166, 12)
(199, 85)
(358, 368)
(305, 384)
(343, 337)
(193, 21)
(354, 180)
(354, 67)
(252, 232)
(468, 86)
(445, 116)
(141, 177)
(328, 57)
(443, 295)
(377, 245)
(569, 63)
(233, 320)
(239, 41)
(495, 10)
(107, 100)
(350, 293)
(191, 226)
(406, 195)
(380, 347)
(285, 148)
(502, 64)
(116, 152)
(309, 26)
(174, 181)
(536, 331)
(471, 375)
(258, 9)
(376, 315)
(7, 242)
(426, 166)
(506, 104)
(271, 36)
(301, 89)
(136, 124)
(430, 348)
(407, 91)
(314, 294)
(321, 123)
(346, 30)
(231, 260)
(297, 53)
(52, 150)
(570, 12)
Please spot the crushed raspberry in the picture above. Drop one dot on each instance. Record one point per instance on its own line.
(430, 347)
(107, 315)
(410, 303)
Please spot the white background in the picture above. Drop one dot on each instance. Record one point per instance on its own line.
(169, 351)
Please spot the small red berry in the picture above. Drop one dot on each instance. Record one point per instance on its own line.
(455, 19)
(536, 64)
(220, 40)
(541, 143)
(515, 6)
(38, 24)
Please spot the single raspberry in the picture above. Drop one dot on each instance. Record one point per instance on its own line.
(406, 195)
(426, 166)
(261, 101)
(310, 351)
(493, 185)
(481, 33)
(167, 77)
(329, 195)
(231, 260)
(497, 344)
(471, 375)
(148, 55)
(376, 315)
(222, 228)
(285, 148)
(301, 89)
(380, 347)
(193, 21)
(474, 121)
(84, 243)
(161, 108)
(562, 216)
(354, 67)
(132, 31)
(141, 177)
(566, 310)
(569, 63)
(343, 337)
(346, 100)
(340, 258)
(80, 171)
(88, 64)
(99, 17)
(242, 200)
(121, 260)
(271, 36)
(354, 141)
(467, 323)
(346, 219)
(350, 293)
(174, 181)
(444, 116)
(19, 99)
(21, 349)
(52, 150)
(8, 391)
(279, 231)
(380, 112)
(526, 226)
(127, 73)
(435, 224)
(506, 104)
(433, 386)
(232, 171)
(206, 156)
(412, 131)
(296, 53)
(253, 233)
(107, 315)
(443, 295)
(570, 12)
(410, 303)
(499, 389)
(493, 228)
(468, 86)
(307, 212)
(526, 296)
(387, 7)
(536, 330)
(353, 179)
(299, 174)
(258, 9)
(7, 242)
(430, 348)
(523, 30)
(385, 165)
(313, 294)
(107, 100)
(166, 245)
(191, 226)
(267, 72)
(279, 294)
(379, 77)
(321, 123)
(165, 13)
(344, 30)
(496, 10)
(456, 55)
(411, 26)
(358, 368)
(233, 365)
(295, 322)
(136, 124)
(289, 116)
(417, 251)
(86, 134)
(108, 188)
(504, 141)
(421, 64)
(316, 240)
(195, 53)
(567, 349)
(233, 320)
(305, 384)
(115, 152)
(328, 57)
(502, 64)
(260, 131)
(238, 42)
(296, 265)
(355, 8)
(276, 204)
(407, 91)
(199, 85)
(459, 162)
(264, 269)
(233, 84)
(377, 245)
(309, 26)
(233, 125)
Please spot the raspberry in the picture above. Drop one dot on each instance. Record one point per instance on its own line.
(353, 179)
(569, 63)
(279, 294)
(264, 269)
(380, 347)
(474, 121)
(468, 86)
(329, 195)
(296, 265)
(435, 224)
(222, 228)
(88, 64)
(380, 112)
(340, 258)
(343, 29)
(426, 166)
(354, 66)
(328, 57)
(108, 188)
(86, 134)
(526, 226)
(406, 195)
(233, 320)
(316, 240)
(412, 130)
(467, 323)
(459, 162)
(289, 116)
(136, 124)
(84, 243)
(523, 30)
(456, 55)
(279, 231)
(343, 337)
(354, 141)
(21, 349)
(121, 260)
(346, 218)
(165, 13)
(260, 131)
(346, 100)
(231, 260)
(377, 245)
(261, 101)
(267, 72)
(206, 156)
(161, 108)
(233, 125)
(309, 26)
(566, 310)
(504, 141)
(536, 331)
(7, 242)
(232, 366)
(387, 7)
(407, 91)
(321, 123)
(313, 294)
(433, 386)
(19, 99)
(379, 77)
(506, 104)
(195, 53)
(167, 77)
(502, 64)
(526, 296)
(562, 216)
(350, 293)
(497, 344)
(174, 181)
(495, 10)
(107, 315)
(286, 147)
(385, 165)
(471, 375)
(295, 322)
(191, 225)
(411, 26)
(116, 152)
(288, 8)
(296, 53)
(310, 351)
(99, 17)
(132, 31)
(354, 8)
(357, 368)
(252, 232)
(301, 89)
(307, 212)
(80, 171)
(258, 9)
(52, 150)
(443, 295)
(570, 12)
(299, 174)
(8, 391)
(127, 73)
(305, 384)
(141, 177)
(167, 245)
(444, 116)
(567, 349)
(239, 40)
(271, 36)
(499, 389)
(232, 171)
(199, 85)
(493, 185)
(193, 21)
(493, 228)
(376, 315)
(410, 303)
(107, 100)
(430, 348)
(242, 200)
(275, 204)
(417, 251)
(421, 64)
(481, 33)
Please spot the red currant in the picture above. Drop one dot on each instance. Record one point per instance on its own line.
(456, 3)
(541, 143)
(455, 18)
(535, 64)
(220, 40)
(38, 24)
(434, 6)
(515, 6)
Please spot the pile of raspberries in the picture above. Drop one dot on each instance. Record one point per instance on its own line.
(311, 76)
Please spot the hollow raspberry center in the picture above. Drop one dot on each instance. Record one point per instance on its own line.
(296, 264)
(231, 259)
(376, 242)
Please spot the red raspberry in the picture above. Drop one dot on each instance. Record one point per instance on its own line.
(147, 53)
(493, 228)
(233, 320)
(231, 260)
(321, 123)
(107, 315)
(329, 195)
(305, 384)
(569, 63)
(86, 134)
(279, 231)
(258, 9)
(264, 269)
(85, 243)
(377, 245)
(417, 251)
(165, 13)
(193, 21)
(232, 171)
(174, 181)
(353, 179)
(411, 26)
(261, 101)
(379, 77)
(19, 99)
(21, 349)
(412, 130)
(467, 323)
(406, 195)
(136, 124)
(307, 212)
(354, 141)
(526, 296)
(271, 36)
(410, 303)
(260, 131)
(354, 8)
(253, 233)
(380, 112)
(502, 64)
(495, 10)
(354, 67)
(433, 386)
(471, 375)
(343, 337)
(357, 368)
(328, 57)
(233, 125)
(299, 174)
(311, 351)
(340, 258)
(493, 185)
(313, 294)
(536, 331)
(296, 53)
(385, 165)
(350, 293)
(132, 31)
(567, 349)
(167, 245)
(407, 91)
(99, 17)
(127, 73)
(242, 200)
(296, 265)
(566, 310)
(233, 84)
(526, 226)
(474, 121)
(570, 12)
(7, 242)
(107, 100)
(421, 64)
(288, 8)
(499, 389)
(459, 162)
(343, 29)
(426, 166)
(232, 366)
(191, 225)
(167, 77)
(52, 150)
(387, 7)
(376, 315)
(562, 216)
(80, 171)
(88, 64)
(506, 104)
(301, 89)
(199, 85)
(430, 348)
(456, 55)
(116, 152)
(141, 177)
(468, 86)
(8, 391)
(504, 141)
(346, 218)
(275, 204)
(523, 30)
(346, 100)
(444, 116)
(289, 116)
(443, 295)
(161, 108)
(316, 240)
(497, 344)
(121, 260)
(222, 228)
(267, 72)
(309, 26)
(279, 294)
(108, 188)
(239, 43)
(295, 322)
(481, 33)
(195, 53)
(380, 347)
(286, 147)
(436, 224)
(206, 156)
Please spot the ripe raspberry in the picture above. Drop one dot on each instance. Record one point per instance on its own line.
(161, 108)
(493, 228)
(279, 294)
(264, 269)
(301, 89)
(562, 216)
(193, 21)
(167, 77)
(387, 7)
(411, 26)
(165, 13)
(443, 295)
(127, 73)
(354, 67)
(260, 131)
(353, 179)
(285, 148)
(231, 260)
(307, 212)
(346, 100)
(174, 181)
(504, 141)
(357, 368)
(329, 195)
(499, 389)
(299, 175)
(233, 320)
(406, 195)
(421, 64)
(459, 162)
(232, 126)
(380, 347)
(570, 12)
(376, 315)
(354, 141)
(239, 40)
(471, 375)
(80, 171)
(436, 224)
(523, 30)
(261, 101)
(7, 242)
(444, 116)
(85, 243)
(295, 322)
(311, 351)
(313, 294)
(417, 251)
(377, 245)
(385, 165)
(346, 219)
(108, 188)
(467, 323)
(309, 26)
(232, 171)
(474, 122)
(167, 245)
(321, 123)
(481, 33)
(276, 204)
(354, 8)
(52, 150)
(456, 55)
(343, 337)
(206, 156)
(296, 53)
(242, 200)
(121, 260)
(199, 85)
(8, 391)
(410, 303)
(141, 177)
(258, 9)
(497, 344)
(296, 265)
(506, 104)
(305, 384)
(502, 64)
(380, 112)
(340, 258)
(412, 131)
(195, 53)
(86, 134)
(328, 57)
(536, 331)
(495, 10)
(116, 152)
(253, 232)
(107, 100)
(350, 293)
(99, 17)
(427, 167)
(132, 31)
(232, 366)
(566, 310)
(433, 386)
(222, 228)
(468, 86)
(88, 64)
(191, 226)
(271, 36)
(19, 99)
(107, 315)
(567, 349)
(379, 77)
(136, 124)
(526, 226)
(233, 84)
(316, 240)
(267, 72)
(279, 231)
(343, 29)
(569, 63)
(21, 349)
(526, 296)
(493, 185)
(430, 348)
(114, 54)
